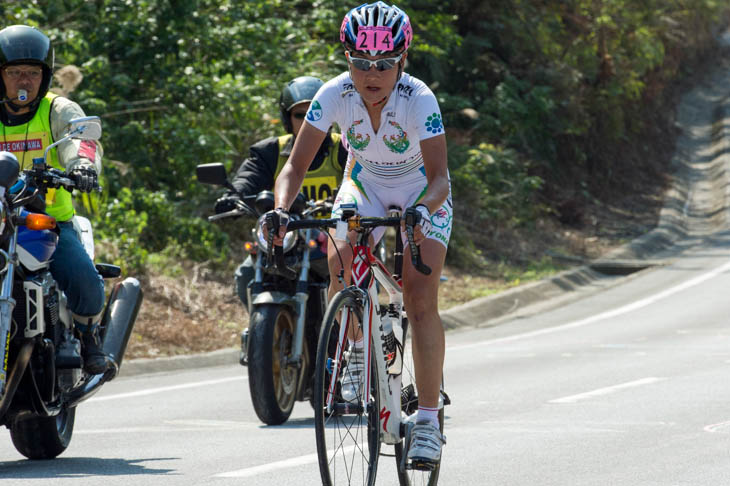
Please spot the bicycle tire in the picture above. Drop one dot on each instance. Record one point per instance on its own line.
(412, 477)
(340, 462)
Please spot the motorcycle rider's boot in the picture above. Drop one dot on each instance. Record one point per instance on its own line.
(95, 361)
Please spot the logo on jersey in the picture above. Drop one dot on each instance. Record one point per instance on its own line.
(405, 91)
(356, 140)
(399, 142)
(347, 200)
(315, 111)
(441, 218)
(434, 124)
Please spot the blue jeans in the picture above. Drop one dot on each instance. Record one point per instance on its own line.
(76, 274)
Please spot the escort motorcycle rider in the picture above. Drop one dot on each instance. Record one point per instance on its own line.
(268, 156)
(32, 118)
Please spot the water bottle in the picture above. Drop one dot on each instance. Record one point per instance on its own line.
(391, 348)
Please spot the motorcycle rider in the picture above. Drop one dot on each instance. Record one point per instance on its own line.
(267, 157)
(32, 118)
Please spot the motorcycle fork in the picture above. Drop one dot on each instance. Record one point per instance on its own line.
(301, 298)
(7, 304)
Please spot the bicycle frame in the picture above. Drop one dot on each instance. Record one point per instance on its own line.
(366, 271)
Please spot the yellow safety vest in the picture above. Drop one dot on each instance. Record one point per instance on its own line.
(29, 141)
(321, 182)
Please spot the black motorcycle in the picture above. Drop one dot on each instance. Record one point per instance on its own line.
(286, 305)
(41, 376)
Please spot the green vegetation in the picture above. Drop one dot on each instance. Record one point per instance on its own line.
(539, 99)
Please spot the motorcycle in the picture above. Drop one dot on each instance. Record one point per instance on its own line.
(286, 305)
(42, 380)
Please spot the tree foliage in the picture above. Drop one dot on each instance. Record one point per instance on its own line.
(533, 91)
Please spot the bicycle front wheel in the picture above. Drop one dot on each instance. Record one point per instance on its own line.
(348, 438)
(409, 405)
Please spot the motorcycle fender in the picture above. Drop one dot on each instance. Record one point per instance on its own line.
(275, 298)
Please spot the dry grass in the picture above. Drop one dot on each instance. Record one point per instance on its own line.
(190, 314)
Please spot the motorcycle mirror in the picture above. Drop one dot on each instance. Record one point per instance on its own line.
(9, 169)
(85, 128)
(214, 174)
(82, 128)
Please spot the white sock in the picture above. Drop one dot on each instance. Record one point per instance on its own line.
(428, 414)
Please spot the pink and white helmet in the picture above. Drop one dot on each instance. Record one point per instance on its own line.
(376, 28)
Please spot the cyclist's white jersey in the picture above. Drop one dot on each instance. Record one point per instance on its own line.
(380, 162)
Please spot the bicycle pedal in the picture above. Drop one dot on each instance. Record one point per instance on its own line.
(420, 465)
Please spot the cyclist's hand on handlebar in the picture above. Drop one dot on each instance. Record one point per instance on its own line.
(275, 220)
(422, 224)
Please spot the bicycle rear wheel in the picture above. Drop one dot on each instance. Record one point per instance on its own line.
(409, 405)
(348, 438)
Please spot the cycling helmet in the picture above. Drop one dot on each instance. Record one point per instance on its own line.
(298, 90)
(374, 18)
(21, 44)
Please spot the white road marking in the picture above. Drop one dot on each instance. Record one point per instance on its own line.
(152, 391)
(721, 427)
(607, 390)
(604, 315)
(275, 466)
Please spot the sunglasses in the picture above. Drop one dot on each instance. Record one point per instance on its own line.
(380, 64)
(15, 73)
(300, 115)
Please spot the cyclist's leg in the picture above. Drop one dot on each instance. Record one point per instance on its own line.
(420, 295)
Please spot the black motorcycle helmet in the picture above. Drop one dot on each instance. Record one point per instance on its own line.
(296, 91)
(21, 44)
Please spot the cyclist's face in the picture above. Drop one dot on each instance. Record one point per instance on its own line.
(22, 76)
(374, 85)
(297, 114)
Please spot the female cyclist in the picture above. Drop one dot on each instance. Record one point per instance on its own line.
(397, 156)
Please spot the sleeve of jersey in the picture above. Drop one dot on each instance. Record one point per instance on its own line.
(325, 107)
(426, 115)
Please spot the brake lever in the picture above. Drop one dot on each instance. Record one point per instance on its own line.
(278, 265)
(410, 217)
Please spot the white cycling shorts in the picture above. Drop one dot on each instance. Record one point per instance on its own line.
(371, 198)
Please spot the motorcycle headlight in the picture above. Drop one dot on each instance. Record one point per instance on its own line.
(289, 240)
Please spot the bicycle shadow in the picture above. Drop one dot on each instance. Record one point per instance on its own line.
(296, 423)
(79, 467)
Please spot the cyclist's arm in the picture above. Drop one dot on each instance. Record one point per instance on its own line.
(290, 178)
(435, 163)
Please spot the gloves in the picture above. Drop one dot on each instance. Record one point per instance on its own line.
(423, 217)
(85, 179)
(226, 203)
(274, 220)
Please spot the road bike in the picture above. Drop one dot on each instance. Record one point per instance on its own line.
(350, 433)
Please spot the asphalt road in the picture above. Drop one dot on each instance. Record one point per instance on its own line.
(624, 386)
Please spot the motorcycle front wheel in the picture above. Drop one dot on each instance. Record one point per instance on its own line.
(272, 379)
(43, 437)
